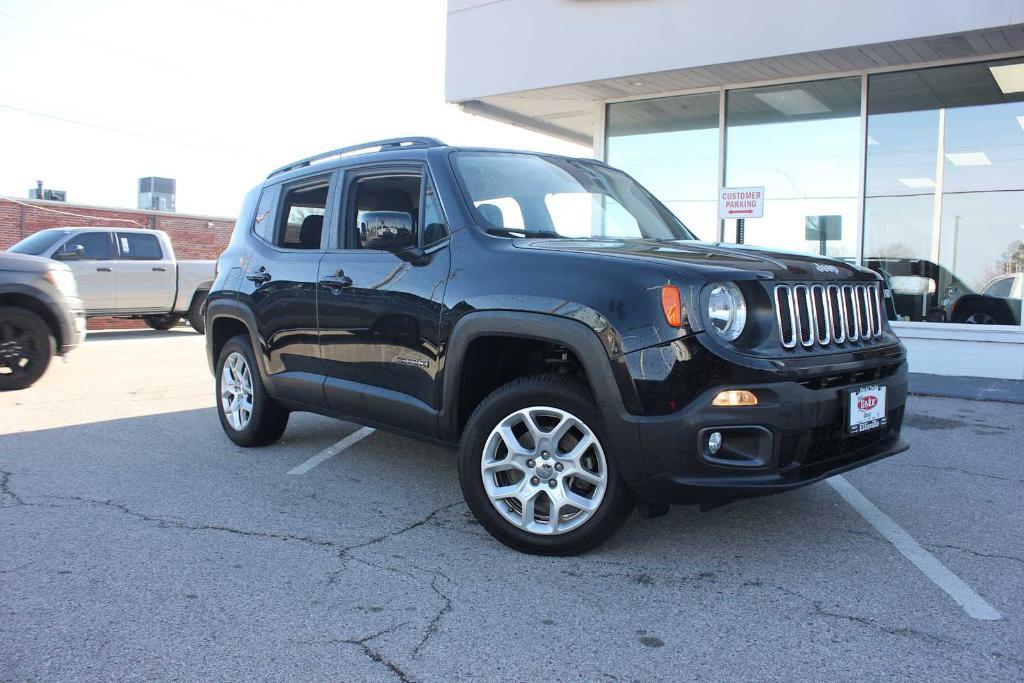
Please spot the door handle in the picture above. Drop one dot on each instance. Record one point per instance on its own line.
(104, 270)
(337, 281)
(259, 277)
(160, 269)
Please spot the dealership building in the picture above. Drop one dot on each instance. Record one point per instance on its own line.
(890, 134)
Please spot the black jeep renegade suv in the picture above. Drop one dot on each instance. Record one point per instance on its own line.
(559, 324)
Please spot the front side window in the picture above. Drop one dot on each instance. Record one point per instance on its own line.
(559, 197)
(139, 247)
(96, 246)
(435, 227)
(385, 212)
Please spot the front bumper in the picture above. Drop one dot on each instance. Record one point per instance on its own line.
(796, 435)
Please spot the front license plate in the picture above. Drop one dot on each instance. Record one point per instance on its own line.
(867, 409)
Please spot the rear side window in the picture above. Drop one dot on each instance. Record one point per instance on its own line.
(302, 219)
(97, 246)
(139, 247)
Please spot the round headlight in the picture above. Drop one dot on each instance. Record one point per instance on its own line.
(727, 311)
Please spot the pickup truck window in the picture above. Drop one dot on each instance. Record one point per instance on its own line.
(97, 246)
(139, 247)
(561, 197)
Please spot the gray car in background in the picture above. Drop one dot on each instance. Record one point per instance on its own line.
(41, 315)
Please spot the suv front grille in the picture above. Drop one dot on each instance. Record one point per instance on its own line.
(816, 314)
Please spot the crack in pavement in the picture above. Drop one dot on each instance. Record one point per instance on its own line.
(6, 490)
(435, 624)
(975, 552)
(817, 609)
(949, 468)
(371, 652)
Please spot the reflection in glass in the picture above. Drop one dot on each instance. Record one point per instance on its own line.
(801, 141)
(944, 192)
(670, 145)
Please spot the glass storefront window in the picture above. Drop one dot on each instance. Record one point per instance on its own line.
(670, 145)
(801, 141)
(944, 191)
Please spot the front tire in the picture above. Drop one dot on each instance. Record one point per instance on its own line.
(26, 347)
(537, 469)
(162, 322)
(249, 416)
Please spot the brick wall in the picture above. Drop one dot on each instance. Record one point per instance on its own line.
(193, 237)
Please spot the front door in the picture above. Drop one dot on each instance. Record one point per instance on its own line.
(279, 285)
(93, 266)
(380, 303)
(146, 278)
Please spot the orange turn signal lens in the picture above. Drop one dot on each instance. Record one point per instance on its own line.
(735, 397)
(671, 305)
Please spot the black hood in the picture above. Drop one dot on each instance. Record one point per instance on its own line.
(714, 259)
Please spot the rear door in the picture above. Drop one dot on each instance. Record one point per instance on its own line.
(378, 309)
(94, 269)
(279, 284)
(146, 280)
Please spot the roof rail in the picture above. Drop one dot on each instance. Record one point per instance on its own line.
(391, 143)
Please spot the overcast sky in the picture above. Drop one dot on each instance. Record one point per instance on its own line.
(216, 93)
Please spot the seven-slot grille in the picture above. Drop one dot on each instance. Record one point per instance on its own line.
(809, 314)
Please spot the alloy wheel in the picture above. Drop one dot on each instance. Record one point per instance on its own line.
(236, 391)
(19, 348)
(544, 470)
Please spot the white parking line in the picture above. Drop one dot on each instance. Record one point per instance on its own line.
(939, 574)
(331, 451)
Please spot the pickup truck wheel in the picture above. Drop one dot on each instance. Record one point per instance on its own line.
(537, 470)
(161, 322)
(26, 347)
(195, 313)
(249, 416)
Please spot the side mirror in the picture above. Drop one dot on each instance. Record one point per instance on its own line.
(76, 252)
(387, 230)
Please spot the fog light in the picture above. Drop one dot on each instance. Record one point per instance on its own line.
(714, 443)
(735, 397)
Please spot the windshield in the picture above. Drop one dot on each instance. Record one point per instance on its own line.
(39, 242)
(544, 196)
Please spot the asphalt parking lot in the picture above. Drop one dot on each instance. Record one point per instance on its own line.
(137, 542)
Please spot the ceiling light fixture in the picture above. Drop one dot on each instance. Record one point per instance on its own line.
(917, 183)
(795, 102)
(1009, 77)
(969, 159)
(634, 84)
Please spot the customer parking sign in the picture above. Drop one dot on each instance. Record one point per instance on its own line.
(741, 202)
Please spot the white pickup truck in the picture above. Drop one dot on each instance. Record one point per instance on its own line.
(128, 273)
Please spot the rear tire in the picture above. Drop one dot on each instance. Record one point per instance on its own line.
(162, 322)
(561, 493)
(195, 313)
(249, 416)
(26, 347)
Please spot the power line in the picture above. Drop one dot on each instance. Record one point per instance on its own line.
(108, 129)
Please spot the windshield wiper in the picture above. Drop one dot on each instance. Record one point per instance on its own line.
(519, 232)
